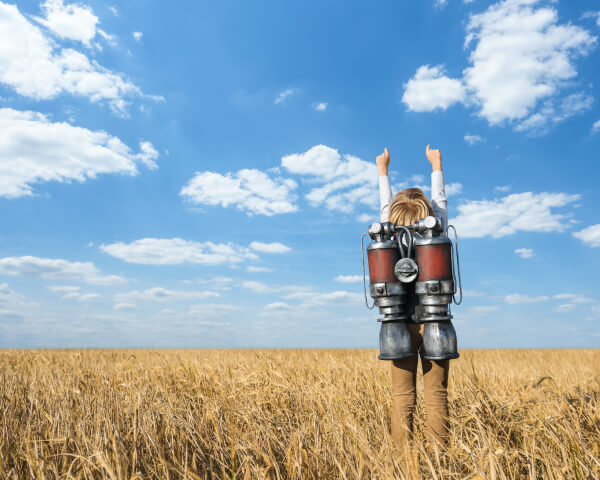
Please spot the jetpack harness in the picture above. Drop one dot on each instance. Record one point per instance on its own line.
(412, 278)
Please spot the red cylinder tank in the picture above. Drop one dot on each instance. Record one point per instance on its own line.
(382, 260)
(434, 260)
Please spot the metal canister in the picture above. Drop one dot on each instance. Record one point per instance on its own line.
(434, 289)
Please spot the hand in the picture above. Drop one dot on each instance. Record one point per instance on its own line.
(383, 162)
(434, 157)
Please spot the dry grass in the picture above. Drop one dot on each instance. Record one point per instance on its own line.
(289, 414)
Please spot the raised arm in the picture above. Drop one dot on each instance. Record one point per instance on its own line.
(438, 189)
(385, 189)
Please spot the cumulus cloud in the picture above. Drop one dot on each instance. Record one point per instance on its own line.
(596, 126)
(270, 247)
(74, 22)
(524, 252)
(249, 190)
(345, 181)
(522, 63)
(159, 294)
(56, 269)
(502, 188)
(517, 299)
(589, 235)
(522, 55)
(34, 66)
(34, 149)
(175, 251)
(430, 90)
(321, 107)
(527, 212)
(138, 36)
(336, 182)
(473, 139)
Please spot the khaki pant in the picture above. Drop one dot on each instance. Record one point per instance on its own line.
(404, 393)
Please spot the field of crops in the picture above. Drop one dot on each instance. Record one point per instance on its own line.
(127, 414)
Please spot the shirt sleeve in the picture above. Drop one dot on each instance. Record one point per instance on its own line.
(385, 197)
(438, 197)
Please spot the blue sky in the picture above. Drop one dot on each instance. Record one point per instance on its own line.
(200, 175)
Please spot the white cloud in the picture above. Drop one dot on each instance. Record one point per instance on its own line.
(277, 306)
(64, 288)
(114, 10)
(440, 3)
(270, 247)
(348, 278)
(345, 180)
(250, 190)
(258, 287)
(596, 126)
(138, 36)
(321, 107)
(430, 89)
(332, 298)
(74, 22)
(125, 306)
(175, 251)
(502, 188)
(528, 212)
(594, 15)
(9, 297)
(573, 298)
(159, 294)
(253, 269)
(567, 307)
(524, 252)
(337, 182)
(522, 56)
(74, 293)
(473, 139)
(480, 310)
(33, 149)
(56, 269)
(518, 299)
(522, 61)
(551, 113)
(281, 98)
(453, 188)
(366, 217)
(473, 293)
(35, 67)
(589, 235)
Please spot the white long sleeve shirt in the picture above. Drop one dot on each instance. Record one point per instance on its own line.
(438, 197)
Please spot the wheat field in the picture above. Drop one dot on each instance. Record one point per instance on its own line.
(284, 414)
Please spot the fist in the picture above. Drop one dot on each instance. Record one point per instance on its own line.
(434, 157)
(383, 161)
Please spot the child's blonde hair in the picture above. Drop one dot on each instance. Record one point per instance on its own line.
(408, 206)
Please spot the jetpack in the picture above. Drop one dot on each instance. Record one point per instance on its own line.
(412, 278)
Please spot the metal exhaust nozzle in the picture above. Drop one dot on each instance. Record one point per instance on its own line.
(394, 340)
(439, 341)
